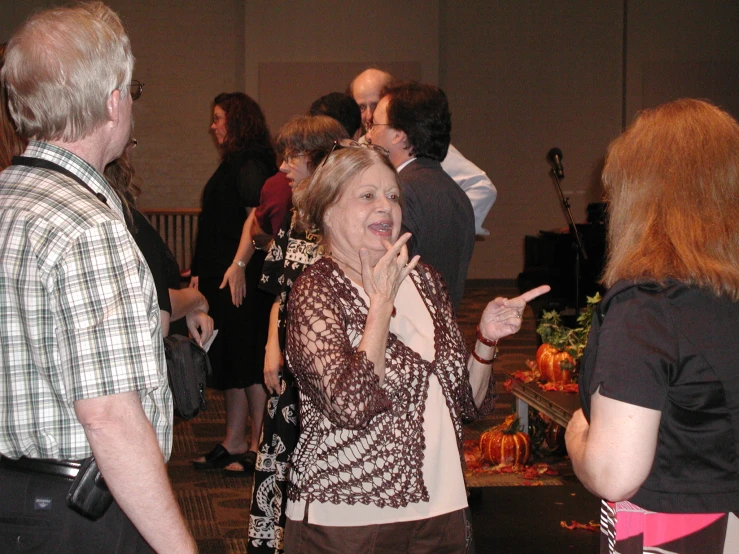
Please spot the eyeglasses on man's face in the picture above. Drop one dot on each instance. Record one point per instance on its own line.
(136, 88)
(371, 125)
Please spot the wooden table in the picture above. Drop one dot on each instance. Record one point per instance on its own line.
(555, 404)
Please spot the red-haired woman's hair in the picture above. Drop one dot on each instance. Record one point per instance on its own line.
(672, 182)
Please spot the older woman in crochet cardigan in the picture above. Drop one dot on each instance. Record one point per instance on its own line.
(384, 375)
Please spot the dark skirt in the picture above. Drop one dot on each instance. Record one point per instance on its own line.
(237, 353)
(449, 533)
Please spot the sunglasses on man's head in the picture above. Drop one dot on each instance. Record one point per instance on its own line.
(349, 143)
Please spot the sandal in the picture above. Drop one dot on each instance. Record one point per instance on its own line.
(246, 461)
(217, 458)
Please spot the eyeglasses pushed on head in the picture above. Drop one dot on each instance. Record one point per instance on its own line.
(349, 143)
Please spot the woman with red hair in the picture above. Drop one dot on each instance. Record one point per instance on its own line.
(658, 435)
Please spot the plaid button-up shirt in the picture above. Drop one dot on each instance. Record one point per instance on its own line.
(78, 310)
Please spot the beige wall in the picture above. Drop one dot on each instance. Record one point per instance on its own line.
(682, 49)
(522, 77)
(186, 53)
(298, 51)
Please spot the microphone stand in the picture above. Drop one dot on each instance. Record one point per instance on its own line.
(577, 243)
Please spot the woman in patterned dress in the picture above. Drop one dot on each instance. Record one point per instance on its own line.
(303, 142)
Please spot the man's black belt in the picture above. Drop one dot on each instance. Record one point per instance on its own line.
(88, 494)
(67, 469)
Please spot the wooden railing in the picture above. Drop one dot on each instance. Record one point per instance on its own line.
(179, 229)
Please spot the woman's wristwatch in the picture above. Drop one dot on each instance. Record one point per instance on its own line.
(239, 263)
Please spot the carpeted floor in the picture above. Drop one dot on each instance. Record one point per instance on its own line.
(507, 518)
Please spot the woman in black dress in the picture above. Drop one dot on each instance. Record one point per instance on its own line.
(174, 303)
(240, 310)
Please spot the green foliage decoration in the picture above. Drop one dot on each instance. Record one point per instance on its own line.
(573, 341)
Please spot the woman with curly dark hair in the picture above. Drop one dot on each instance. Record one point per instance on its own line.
(225, 272)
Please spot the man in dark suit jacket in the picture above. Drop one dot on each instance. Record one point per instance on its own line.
(412, 122)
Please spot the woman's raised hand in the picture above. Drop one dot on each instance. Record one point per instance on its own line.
(502, 316)
(381, 282)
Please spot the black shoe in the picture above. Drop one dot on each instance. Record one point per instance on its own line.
(217, 458)
(247, 462)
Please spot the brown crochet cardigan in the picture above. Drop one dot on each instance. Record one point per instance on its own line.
(359, 441)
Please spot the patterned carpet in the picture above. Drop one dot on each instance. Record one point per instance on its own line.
(217, 507)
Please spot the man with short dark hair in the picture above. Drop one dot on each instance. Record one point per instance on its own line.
(366, 88)
(413, 123)
(83, 370)
(343, 109)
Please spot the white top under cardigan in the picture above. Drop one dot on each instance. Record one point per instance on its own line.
(442, 472)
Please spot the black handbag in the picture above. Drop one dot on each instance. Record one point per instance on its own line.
(188, 368)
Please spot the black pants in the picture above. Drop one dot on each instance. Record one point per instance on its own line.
(34, 517)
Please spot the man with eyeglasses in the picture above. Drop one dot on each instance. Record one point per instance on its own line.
(83, 382)
(366, 88)
(413, 123)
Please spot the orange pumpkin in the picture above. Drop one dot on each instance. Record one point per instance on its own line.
(506, 446)
(549, 360)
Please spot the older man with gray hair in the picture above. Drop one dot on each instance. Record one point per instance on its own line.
(83, 376)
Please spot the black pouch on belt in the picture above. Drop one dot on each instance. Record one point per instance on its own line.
(89, 495)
